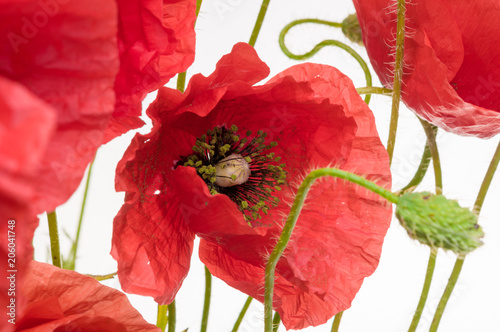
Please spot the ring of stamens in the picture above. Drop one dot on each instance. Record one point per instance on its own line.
(255, 195)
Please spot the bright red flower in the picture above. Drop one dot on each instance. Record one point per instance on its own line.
(451, 76)
(62, 300)
(68, 68)
(317, 119)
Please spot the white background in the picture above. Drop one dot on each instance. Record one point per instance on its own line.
(388, 298)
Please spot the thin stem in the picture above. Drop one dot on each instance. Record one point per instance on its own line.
(425, 291)
(421, 170)
(398, 75)
(103, 277)
(292, 220)
(171, 317)
(487, 181)
(181, 81)
(242, 314)
(374, 90)
(161, 318)
(258, 23)
(460, 260)
(206, 304)
(54, 239)
(430, 131)
(74, 248)
(447, 293)
(276, 322)
(336, 321)
(198, 6)
(345, 47)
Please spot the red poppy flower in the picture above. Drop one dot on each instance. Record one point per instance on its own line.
(57, 70)
(451, 76)
(271, 136)
(66, 69)
(62, 300)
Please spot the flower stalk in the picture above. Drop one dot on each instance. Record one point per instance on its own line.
(398, 76)
(258, 23)
(460, 260)
(54, 239)
(292, 220)
(242, 314)
(161, 318)
(206, 304)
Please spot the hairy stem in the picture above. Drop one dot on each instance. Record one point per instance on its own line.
(398, 76)
(292, 220)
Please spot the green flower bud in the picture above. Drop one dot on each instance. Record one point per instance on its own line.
(439, 222)
(352, 30)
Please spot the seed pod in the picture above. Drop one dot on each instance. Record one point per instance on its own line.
(439, 222)
(231, 171)
(352, 30)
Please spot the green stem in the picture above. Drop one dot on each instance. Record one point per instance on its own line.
(345, 47)
(171, 317)
(485, 185)
(258, 23)
(74, 248)
(181, 81)
(206, 304)
(161, 318)
(430, 131)
(336, 321)
(103, 277)
(54, 239)
(292, 220)
(487, 181)
(242, 314)
(181, 77)
(276, 322)
(198, 6)
(374, 90)
(447, 293)
(422, 168)
(398, 75)
(425, 291)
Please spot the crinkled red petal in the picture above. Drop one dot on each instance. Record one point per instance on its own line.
(156, 40)
(62, 300)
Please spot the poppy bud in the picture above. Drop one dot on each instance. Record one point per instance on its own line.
(439, 222)
(352, 30)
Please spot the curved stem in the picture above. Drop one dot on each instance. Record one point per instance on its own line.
(430, 131)
(425, 291)
(292, 220)
(171, 317)
(421, 170)
(345, 47)
(374, 90)
(276, 321)
(398, 76)
(336, 321)
(258, 23)
(206, 304)
(161, 318)
(74, 248)
(242, 314)
(54, 239)
(485, 185)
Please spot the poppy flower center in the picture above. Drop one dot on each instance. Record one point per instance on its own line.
(242, 168)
